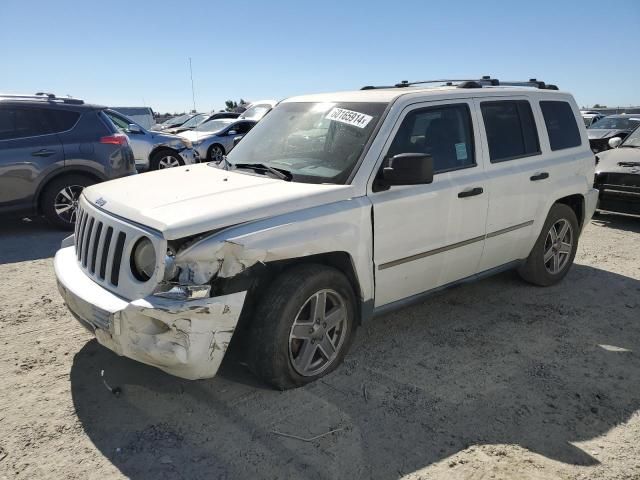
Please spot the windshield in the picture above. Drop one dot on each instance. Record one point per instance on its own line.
(215, 125)
(633, 140)
(616, 123)
(315, 142)
(256, 112)
(195, 120)
(175, 121)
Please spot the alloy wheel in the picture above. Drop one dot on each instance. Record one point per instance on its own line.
(168, 161)
(558, 246)
(318, 333)
(65, 203)
(216, 154)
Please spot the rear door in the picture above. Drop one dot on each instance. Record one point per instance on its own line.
(29, 151)
(518, 177)
(426, 236)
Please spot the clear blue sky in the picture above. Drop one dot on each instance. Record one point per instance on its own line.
(130, 52)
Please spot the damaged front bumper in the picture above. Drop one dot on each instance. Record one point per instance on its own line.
(187, 339)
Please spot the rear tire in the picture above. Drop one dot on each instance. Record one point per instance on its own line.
(165, 159)
(289, 332)
(59, 199)
(554, 251)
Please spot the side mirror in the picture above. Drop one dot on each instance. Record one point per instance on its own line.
(232, 132)
(408, 169)
(133, 128)
(615, 142)
(236, 140)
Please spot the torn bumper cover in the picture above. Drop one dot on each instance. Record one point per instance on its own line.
(186, 339)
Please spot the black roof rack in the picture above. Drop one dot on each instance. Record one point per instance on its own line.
(485, 81)
(50, 97)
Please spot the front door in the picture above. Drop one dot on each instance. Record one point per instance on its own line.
(426, 236)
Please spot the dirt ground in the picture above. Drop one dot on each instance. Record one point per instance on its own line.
(496, 379)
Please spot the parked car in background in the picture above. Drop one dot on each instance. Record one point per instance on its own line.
(609, 127)
(50, 149)
(257, 110)
(141, 115)
(590, 117)
(199, 119)
(214, 139)
(618, 175)
(173, 122)
(453, 183)
(154, 150)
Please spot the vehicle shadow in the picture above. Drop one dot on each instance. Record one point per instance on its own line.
(41, 239)
(495, 362)
(618, 221)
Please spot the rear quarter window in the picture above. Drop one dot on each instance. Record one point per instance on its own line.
(561, 125)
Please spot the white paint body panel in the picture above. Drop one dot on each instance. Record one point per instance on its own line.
(245, 219)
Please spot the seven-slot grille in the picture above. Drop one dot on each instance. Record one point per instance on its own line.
(99, 247)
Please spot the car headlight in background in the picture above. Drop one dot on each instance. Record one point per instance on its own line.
(143, 259)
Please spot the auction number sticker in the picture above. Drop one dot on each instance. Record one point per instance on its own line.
(349, 117)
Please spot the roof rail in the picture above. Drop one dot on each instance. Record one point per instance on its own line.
(50, 97)
(485, 81)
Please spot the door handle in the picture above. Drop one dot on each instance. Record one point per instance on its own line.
(43, 153)
(539, 176)
(471, 192)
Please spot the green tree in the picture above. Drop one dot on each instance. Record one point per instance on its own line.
(231, 105)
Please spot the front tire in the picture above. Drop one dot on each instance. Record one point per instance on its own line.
(303, 326)
(59, 199)
(165, 159)
(554, 251)
(215, 153)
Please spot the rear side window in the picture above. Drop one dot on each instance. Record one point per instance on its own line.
(62, 120)
(16, 122)
(561, 125)
(511, 130)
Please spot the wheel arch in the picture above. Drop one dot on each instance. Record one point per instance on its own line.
(224, 150)
(160, 148)
(576, 202)
(76, 170)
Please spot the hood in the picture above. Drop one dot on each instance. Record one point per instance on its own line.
(596, 133)
(610, 160)
(165, 137)
(189, 200)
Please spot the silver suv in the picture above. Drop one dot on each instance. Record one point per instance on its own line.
(154, 150)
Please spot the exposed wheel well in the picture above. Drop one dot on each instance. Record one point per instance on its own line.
(162, 148)
(576, 203)
(258, 277)
(62, 173)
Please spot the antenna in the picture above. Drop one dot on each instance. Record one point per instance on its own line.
(193, 94)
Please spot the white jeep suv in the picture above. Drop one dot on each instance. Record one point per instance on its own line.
(334, 208)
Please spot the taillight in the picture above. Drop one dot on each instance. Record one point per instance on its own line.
(115, 139)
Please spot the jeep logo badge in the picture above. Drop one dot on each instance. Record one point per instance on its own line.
(100, 202)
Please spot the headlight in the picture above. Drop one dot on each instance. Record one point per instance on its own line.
(143, 259)
(187, 143)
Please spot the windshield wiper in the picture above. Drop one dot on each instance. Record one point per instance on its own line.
(278, 172)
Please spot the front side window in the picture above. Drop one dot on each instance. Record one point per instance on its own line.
(444, 132)
(511, 129)
(313, 142)
(561, 125)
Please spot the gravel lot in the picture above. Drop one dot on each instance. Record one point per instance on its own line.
(496, 379)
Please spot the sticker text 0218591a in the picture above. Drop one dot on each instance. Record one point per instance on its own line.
(349, 117)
